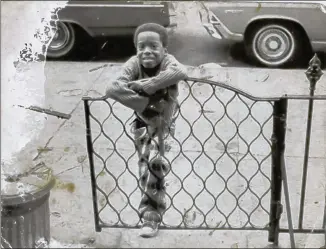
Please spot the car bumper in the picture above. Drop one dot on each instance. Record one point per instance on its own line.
(216, 28)
(318, 46)
(212, 31)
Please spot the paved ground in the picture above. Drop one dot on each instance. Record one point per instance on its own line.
(71, 202)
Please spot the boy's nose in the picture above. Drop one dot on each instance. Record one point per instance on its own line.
(147, 50)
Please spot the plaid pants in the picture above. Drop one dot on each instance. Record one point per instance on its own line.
(151, 176)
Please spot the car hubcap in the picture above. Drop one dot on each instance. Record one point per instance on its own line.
(61, 37)
(273, 46)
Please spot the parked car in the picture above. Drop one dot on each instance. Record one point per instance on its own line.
(275, 33)
(103, 18)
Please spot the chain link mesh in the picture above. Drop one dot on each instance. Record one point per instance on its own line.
(220, 157)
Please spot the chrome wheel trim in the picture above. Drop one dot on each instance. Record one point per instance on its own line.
(273, 45)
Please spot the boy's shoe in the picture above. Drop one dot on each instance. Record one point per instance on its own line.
(149, 229)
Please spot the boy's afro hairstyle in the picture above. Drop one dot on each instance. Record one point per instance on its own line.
(154, 27)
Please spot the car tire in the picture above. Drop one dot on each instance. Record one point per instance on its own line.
(63, 42)
(274, 45)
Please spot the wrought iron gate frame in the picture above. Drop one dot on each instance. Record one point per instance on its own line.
(278, 174)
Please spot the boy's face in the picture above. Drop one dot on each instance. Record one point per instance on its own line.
(150, 50)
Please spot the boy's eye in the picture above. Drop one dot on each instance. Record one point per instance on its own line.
(142, 47)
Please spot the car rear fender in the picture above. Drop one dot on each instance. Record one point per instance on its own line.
(74, 22)
(269, 17)
(101, 18)
(264, 18)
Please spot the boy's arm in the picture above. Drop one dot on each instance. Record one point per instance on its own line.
(119, 91)
(128, 74)
(172, 72)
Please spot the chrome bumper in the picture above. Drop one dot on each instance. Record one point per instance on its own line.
(318, 46)
(212, 31)
(218, 30)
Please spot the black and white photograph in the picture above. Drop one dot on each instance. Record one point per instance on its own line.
(163, 124)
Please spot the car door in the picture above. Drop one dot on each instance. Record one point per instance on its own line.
(102, 18)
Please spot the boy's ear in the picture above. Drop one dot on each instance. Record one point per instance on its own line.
(165, 50)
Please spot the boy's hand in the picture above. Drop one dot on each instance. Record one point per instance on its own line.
(138, 87)
(135, 86)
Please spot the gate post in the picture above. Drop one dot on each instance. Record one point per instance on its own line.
(313, 74)
(324, 223)
(278, 147)
(91, 163)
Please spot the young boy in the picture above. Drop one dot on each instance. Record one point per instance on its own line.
(149, 85)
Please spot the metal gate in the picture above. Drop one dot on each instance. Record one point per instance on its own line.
(226, 156)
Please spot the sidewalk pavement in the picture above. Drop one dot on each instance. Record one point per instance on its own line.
(71, 207)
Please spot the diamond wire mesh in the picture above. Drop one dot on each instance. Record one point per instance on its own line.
(219, 155)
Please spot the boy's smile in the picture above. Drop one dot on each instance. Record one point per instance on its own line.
(150, 50)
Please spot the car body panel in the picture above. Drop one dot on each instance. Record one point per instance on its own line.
(231, 19)
(105, 18)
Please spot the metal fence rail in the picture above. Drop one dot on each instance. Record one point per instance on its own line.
(226, 157)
